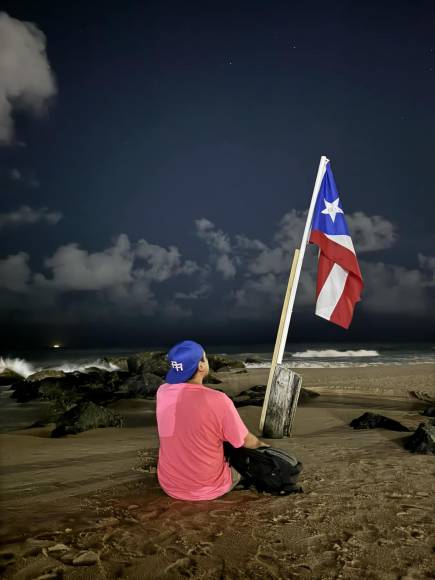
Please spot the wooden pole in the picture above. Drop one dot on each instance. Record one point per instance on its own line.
(292, 285)
(282, 403)
(289, 310)
(278, 338)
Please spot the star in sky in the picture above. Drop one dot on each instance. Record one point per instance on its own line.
(332, 208)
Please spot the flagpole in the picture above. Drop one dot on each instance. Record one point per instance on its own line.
(290, 295)
(320, 173)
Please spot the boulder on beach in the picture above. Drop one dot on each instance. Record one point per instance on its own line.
(144, 385)
(253, 360)
(23, 391)
(255, 396)
(212, 379)
(8, 376)
(119, 361)
(217, 361)
(45, 374)
(85, 416)
(373, 420)
(150, 362)
(429, 412)
(422, 440)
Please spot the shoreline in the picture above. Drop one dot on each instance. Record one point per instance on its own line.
(366, 510)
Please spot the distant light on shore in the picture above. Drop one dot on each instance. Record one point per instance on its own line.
(56, 346)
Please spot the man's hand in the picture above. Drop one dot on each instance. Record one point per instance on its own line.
(252, 442)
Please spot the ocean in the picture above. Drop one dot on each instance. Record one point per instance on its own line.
(297, 355)
(301, 355)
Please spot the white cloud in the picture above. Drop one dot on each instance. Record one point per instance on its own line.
(370, 233)
(15, 272)
(26, 79)
(220, 246)
(163, 263)
(76, 269)
(393, 289)
(28, 215)
(200, 292)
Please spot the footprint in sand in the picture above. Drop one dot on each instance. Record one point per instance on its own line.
(201, 549)
(183, 567)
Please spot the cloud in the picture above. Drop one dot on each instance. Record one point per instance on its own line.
(220, 246)
(122, 275)
(200, 292)
(393, 289)
(163, 263)
(371, 233)
(15, 273)
(26, 79)
(19, 177)
(76, 269)
(28, 215)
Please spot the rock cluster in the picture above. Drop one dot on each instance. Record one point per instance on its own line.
(422, 439)
(373, 420)
(79, 399)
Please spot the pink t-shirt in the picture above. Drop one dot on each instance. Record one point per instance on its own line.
(193, 422)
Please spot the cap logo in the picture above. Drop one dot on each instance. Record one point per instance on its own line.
(177, 366)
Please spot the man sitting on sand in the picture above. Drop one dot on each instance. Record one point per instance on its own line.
(193, 422)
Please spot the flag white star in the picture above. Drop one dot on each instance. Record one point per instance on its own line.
(332, 208)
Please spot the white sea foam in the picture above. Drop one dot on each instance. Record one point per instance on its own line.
(18, 365)
(25, 368)
(82, 367)
(331, 353)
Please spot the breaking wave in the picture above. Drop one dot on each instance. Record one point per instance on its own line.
(25, 368)
(330, 353)
(18, 365)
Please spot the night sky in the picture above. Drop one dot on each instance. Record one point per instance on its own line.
(157, 158)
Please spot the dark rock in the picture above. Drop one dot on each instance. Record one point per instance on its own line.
(86, 559)
(217, 361)
(306, 395)
(143, 385)
(429, 412)
(45, 374)
(373, 421)
(119, 361)
(85, 416)
(252, 359)
(25, 392)
(212, 379)
(423, 440)
(63, 396)
(8, 376)
(150, 362)
(255, 396)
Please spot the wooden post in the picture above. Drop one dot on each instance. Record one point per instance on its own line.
(290, 295)
(279, 338)
(282, 404)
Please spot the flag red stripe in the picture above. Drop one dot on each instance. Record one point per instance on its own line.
(343, 312)
(323, 270)
(336, 253)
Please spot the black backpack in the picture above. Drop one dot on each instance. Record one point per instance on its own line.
(268, 469)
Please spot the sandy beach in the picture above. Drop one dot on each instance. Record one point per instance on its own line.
(367, 510)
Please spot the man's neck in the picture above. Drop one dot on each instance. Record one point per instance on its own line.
(195, 381)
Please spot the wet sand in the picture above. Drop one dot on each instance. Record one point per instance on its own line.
(366, 511)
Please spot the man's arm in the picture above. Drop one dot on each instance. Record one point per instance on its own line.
(252, 442)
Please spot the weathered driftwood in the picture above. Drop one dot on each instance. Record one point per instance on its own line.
(283, 400)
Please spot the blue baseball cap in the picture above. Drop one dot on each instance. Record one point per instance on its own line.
(183, 359)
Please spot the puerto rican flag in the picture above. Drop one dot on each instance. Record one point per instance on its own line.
(339, 280)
